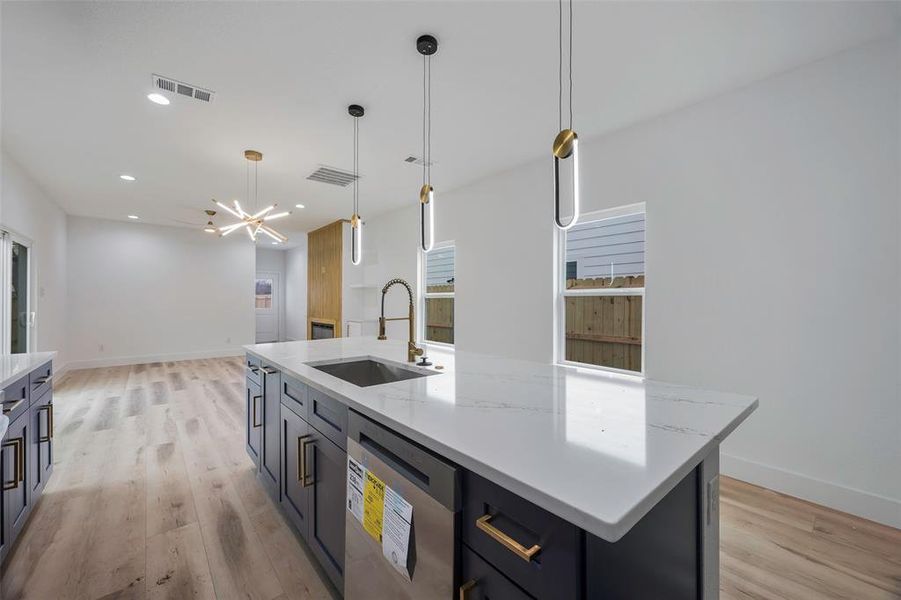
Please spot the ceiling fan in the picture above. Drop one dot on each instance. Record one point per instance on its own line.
(208, 228)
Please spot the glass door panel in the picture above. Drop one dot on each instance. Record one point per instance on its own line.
(19, 312)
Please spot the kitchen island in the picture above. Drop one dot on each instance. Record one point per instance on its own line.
(621, 470)
(26, 439)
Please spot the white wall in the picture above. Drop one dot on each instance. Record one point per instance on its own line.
(272, 260)
(296, 290)
(28, 211)
(773, 263)
(145, 292)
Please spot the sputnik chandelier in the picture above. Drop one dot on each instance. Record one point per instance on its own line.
(254, 223)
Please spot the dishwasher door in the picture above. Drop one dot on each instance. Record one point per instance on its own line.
(431, 486)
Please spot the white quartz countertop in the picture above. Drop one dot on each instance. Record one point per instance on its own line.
(14, 366)
(596, 449)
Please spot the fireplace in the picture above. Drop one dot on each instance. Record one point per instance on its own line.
(322, 329)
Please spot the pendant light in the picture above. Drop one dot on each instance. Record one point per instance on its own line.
(255, 223)
(566, 144)
(426, 45)
(356, 222)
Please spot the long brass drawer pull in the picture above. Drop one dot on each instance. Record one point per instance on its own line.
(466, 587)
(302, 458)
(505, 540)
(49, 436)
(11, 405)
(307, 479)
(19, 470)
(43, 380)
(254, 409)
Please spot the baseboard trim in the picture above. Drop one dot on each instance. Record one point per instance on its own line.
(119, 361)
(850, 500)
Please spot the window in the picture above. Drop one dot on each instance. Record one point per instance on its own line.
(601, 304)
(264, 293)
(439, 295)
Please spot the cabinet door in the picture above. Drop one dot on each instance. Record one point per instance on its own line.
(40, 459)
(269, 457)
(295, 496)
(326, 535)
(254, 396)
(481, 581)
(17, 481)
(7, 476)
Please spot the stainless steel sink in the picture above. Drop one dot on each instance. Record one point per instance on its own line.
(365, 372)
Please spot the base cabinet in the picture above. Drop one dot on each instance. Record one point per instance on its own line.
(328, 491)
(295, 500)
(40, 459)
(271, 416)
(254, 431)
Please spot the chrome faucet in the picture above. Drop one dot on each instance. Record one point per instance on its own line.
(412, 350)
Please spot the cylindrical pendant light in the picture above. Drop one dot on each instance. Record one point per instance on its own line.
(566, 143)
(356, 222)
(426, 45)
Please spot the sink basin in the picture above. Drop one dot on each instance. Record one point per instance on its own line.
(365, 372)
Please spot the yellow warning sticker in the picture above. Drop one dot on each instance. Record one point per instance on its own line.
(373, 505)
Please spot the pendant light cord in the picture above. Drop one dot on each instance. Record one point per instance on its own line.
(424, 159)
(560, 64)
(356, 164)
(426, 119)
(429, 138)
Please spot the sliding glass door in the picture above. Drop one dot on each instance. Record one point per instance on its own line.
(15, 302)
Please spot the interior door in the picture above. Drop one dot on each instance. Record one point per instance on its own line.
(267, 304)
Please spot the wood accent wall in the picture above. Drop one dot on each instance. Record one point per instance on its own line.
(324, 264)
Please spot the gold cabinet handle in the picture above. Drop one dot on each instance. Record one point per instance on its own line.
(11, 405)
(19, 474)
(464, 589)
(305, 479)
(302, 458)
(254, 409)
(46, 438)
(505, 540)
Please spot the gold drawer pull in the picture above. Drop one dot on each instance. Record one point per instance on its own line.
(464, 589)
(49, 436)
(254, 409)
(11, 405)
(19, 472)
(505, 540)
(304, 478)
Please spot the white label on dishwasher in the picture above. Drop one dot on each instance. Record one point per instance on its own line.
(396, 524)
(356, 474)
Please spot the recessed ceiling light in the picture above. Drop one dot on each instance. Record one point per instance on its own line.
(158, 99)
(299, 205)
(127, 177)
(133, 217)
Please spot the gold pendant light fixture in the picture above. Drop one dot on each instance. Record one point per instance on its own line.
(254, 223)
(566, 144)
(356, 222)
(426, 45)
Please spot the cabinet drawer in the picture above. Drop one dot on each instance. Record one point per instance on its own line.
(537, 550)
(328, 416)
(295, 395)
(15, 399)
(252, 369)
(481, 581)
(40, 380)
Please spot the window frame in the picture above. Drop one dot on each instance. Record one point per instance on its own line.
(423, 294)
(9, 236)
(561, 292)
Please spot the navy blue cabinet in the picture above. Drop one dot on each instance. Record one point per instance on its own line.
(328, 490)
(40, 458)
(295, 494)
(254, 429)
(271, 422)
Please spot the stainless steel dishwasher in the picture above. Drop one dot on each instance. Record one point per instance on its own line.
(431, 485)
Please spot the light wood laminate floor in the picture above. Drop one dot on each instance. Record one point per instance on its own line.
(153, 496)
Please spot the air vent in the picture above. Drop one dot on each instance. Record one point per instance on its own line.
(183, 89)
(415, 160)
(332, 176)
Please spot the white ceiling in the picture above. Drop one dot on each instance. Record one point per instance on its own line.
(75, 76)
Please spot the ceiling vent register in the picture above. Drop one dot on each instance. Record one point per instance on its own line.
(174, 86)
(332, 176)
